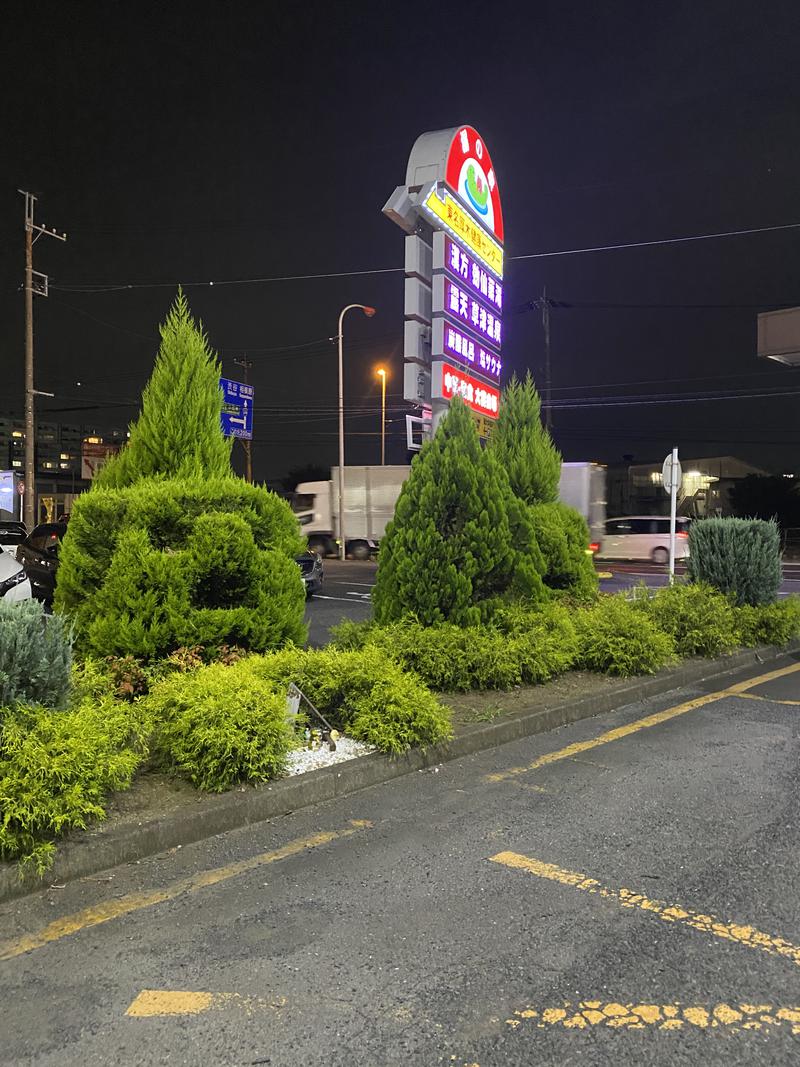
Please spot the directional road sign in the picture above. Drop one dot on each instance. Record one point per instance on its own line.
(237, 409)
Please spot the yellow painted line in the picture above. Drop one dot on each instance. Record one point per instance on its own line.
(597, 1013)
(772, 700)
(656, 719)
(741, 933)
(115, 909)
(155, 1003)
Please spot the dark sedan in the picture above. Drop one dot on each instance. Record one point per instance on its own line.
(38, 554)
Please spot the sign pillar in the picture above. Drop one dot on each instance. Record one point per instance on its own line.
(450, 210)
(671, 476)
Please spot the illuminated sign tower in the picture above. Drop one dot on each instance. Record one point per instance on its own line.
(450, 210)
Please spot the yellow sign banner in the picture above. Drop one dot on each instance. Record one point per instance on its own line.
(450, 214)
(485, 425)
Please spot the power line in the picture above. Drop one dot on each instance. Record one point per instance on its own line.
(109, 287)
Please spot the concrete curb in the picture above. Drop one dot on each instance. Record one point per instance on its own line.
(104, 846)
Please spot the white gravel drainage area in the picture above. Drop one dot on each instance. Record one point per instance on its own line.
(303, 759)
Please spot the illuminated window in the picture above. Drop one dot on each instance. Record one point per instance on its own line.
(66, 455)
(93, 440)
(16, 462)
(17, 433)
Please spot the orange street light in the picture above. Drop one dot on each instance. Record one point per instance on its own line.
(382, 375)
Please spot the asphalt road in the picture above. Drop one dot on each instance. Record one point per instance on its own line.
(346, 589)
(581, 897)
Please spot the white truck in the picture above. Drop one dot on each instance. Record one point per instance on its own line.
(583, 487)
(370, 494)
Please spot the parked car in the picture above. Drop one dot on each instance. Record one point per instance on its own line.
(644, 537)
(12, 533)
(14, 583)
(310, 565)
(38, 554)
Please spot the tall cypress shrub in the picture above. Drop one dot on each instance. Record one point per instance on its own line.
(178, 432)
(460, 542)
(525, 450)
(523, 445)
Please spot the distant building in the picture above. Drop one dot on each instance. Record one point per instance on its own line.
(705, 488)
(61, 466)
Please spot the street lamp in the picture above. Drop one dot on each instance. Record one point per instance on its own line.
(382, 375)
(369, 312)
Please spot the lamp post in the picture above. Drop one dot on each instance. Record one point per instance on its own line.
(382, 376)
(369, 312)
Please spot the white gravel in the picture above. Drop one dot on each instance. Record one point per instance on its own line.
(302, 760)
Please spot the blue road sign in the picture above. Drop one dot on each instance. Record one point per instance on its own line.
(237, 409)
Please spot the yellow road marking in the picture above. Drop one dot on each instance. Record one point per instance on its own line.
(151, 1003)
(772, 700)
(115, 909)
(656, 719)
(741, 933)
(676, 1016)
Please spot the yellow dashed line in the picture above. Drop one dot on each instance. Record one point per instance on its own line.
(153, 1003)
(115, 909)
(656, 719)
(708, 924)
(593, 1013)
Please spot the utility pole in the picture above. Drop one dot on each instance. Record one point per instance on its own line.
(247, 442)
(35, 282)
(545, 306)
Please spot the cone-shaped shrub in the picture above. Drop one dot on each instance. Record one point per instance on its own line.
(524, 447)
(460, 542)
(178, 433)
(563, 537)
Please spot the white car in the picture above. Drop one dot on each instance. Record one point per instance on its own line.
(644, 537)
(14, 582)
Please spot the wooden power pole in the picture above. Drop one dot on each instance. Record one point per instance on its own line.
(35, 282)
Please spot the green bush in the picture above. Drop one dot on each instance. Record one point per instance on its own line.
(539, 646)
(618, 637)
(699, 619)
(769, 624)
(56, 768)
(35, 655)
(363, 693)
(460, 542)
(164, 564)
(219, 725)
(563, 537)
(740, 557)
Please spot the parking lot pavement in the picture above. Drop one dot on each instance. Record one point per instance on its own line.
(622, 890)
(345, 595)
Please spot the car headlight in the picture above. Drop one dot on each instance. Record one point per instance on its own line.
(9, 583)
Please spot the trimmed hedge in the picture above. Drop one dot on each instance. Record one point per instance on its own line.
(740, 557)
(769, 624)
(617, 637)
(170, 563)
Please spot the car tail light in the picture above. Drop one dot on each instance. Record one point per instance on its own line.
(682, 533)
(594, 546)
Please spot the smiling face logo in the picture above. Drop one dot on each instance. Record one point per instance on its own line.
(477, 189)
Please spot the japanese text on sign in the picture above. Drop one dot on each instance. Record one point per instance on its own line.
(450, 214)
(460, 264)
(478, 396)
(463, 306)
(467, 350)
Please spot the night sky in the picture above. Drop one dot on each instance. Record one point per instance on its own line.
(227, 142)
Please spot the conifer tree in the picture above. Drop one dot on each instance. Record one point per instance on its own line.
(178, 432)
(524, 447)
(459, 542)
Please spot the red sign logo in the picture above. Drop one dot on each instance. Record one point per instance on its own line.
(469, 172)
